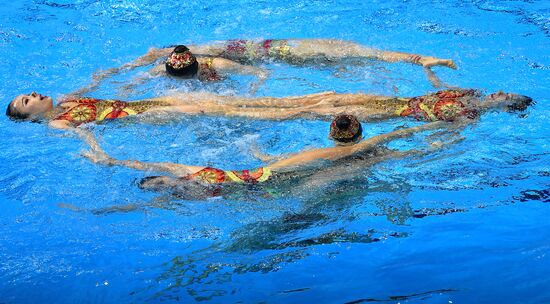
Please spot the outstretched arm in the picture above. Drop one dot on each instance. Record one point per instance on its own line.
(227, 66)
(84, 134)
(98, 156)
(337, 153)
(152, 55)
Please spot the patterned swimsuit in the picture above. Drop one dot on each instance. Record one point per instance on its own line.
(445, 105)
(207, 71)
(253, 49)
(93, 110)
(210, 175)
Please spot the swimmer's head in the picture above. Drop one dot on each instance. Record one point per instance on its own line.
(508, 101)
(157, 183)
(28, 106)
(182, 63)
(181, 187)
(346, 129)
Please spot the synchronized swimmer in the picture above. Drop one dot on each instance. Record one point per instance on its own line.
(445, 105)
(212, 61)
(345, 131)
(206, 62)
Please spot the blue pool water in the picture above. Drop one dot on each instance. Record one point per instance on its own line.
(75, 232)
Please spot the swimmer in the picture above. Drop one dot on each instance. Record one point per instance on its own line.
(345, 131)
(445, 105)
(183, 64)
(222, 57)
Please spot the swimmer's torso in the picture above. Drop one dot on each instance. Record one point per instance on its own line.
(85, 110)
(245, 50)
(445, 105)
(207, 71)
(210, 175)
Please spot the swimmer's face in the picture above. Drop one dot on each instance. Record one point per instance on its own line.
(31, 104)
(511, 101)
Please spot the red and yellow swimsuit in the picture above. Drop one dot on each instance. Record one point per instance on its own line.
(90, 109)
(216, 176)
(207, 71)
(445, 105)
(253, 49)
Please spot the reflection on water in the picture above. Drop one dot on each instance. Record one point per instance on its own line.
(271, 245)
(422, 296)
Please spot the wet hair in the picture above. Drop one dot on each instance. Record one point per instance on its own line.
(14, 114)
(175, 65)
(521, 103)
(345, 128)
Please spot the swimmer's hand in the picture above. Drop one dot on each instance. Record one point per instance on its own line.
(97, 156)
(428, 61)
(102, 74)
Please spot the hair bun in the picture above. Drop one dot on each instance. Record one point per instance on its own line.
(345, 128)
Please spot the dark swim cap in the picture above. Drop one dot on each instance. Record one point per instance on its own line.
(181, 62)
(345, 128)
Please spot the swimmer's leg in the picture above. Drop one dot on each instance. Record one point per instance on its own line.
(339, 49)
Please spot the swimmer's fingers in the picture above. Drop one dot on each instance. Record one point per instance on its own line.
(438, 145)
(98, 157)
(428, 62)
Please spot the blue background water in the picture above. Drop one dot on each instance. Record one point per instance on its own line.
(374, 237)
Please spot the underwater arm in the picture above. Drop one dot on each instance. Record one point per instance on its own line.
(436, 82)
(384, 138)
(264, 157)
(152, 55)
(98, 156)
(231, 67)
(127, 89)
(84, 134)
